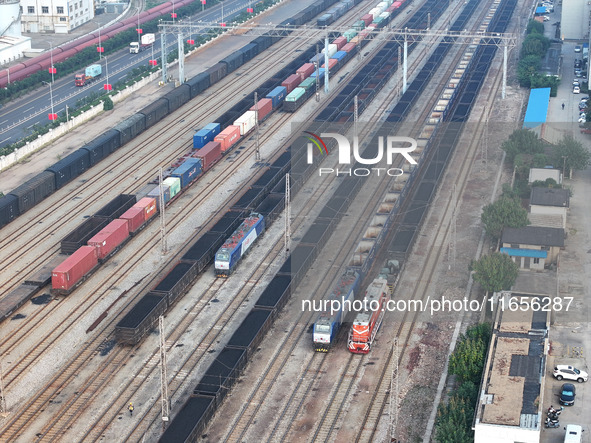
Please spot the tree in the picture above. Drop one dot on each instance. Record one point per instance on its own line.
(454, 422)
(570, 154)
(527, 68)
(495, 272)
(536, 27)
(535, 44)
(107, 103)
(503, 212)
(522, 141)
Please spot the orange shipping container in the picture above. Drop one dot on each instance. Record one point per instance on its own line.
(148, 204)
(68, 273)
(228, 137)
(111, 236)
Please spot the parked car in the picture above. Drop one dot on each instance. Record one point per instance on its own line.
(576, 90)
(582, 118)
(578, 63)
(576, 82)
(578, 73)
(578, 48)
(568, 372)
(546, 18)
(568, 393)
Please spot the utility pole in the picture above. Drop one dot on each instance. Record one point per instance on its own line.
(163, 376)
(163, 55)
(164, 249)
(181, 51)
(257, 155)
(394, 393)
(3, 409)
(355, 117)
(317, 75)
(287, 216)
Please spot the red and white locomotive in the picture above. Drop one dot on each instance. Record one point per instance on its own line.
(366, 324)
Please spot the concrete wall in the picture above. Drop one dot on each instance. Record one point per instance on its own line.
(574, 22)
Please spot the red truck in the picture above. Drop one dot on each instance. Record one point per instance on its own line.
(89, 75)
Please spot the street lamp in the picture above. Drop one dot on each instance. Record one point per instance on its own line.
(107, 86)
(52, 69)
(99, 48)
(52, 116)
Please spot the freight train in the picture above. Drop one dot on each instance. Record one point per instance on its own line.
(236, 246)
(328, 323)
(193, 417)
(366, 324)
(30, 193)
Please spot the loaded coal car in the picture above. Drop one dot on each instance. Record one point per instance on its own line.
(204, 249)
(141, 318)
(237, 245)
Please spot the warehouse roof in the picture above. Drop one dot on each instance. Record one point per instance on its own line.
(534, 235)
(537, 107)
(549, 197)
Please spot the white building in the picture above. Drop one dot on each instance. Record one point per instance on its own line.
(55, 16)
(12, 43)
(511, 397)
(574, 22)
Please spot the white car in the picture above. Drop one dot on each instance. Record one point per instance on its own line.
(568, 372)
(574, 434)
(576, 90)
(582, 119)
(546, 18)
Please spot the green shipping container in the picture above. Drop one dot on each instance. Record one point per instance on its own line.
(350, 34)
(378, 20)
(174, 183)
(359, 25)
(308, 83)
(295, 94)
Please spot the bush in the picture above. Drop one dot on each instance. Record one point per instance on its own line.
(107, 103)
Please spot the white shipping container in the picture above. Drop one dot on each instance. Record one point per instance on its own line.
(332, 50)
(382, 5)
(246, 122)
(385, 14)
(375, 12)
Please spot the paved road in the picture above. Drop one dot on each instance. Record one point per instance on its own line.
(18, 118)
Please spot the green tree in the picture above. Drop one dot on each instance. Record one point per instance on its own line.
(536, 27)
(535, 44)
(107, 103)
(522, 141)
(454, 422)
(503, 212)
(495, 272)
(527, 68)
(570, 154)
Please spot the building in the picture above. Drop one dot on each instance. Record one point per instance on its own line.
(533, 247)
(574, 21)
(12, 43)
(550, 201)
(511, 394)
(543, 174)
(55, 16)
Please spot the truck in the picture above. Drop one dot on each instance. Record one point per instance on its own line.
(145, 42)
(89, 75)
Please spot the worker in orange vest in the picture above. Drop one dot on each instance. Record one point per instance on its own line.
(130, 407)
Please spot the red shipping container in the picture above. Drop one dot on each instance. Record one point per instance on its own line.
(209, 154)
(349, 47)
(265, 106)
(72, 269)
(228, 137)
(148, 204)
(109, 238)
(305, 71)
(340, 42)
(291, 82)
(331, 63)
(135, 218)
(367, 19)
(372, 26)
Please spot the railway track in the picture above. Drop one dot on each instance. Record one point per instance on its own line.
(17, 335)
(339, 393)
(47, 395)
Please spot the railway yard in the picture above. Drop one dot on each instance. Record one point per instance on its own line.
(240, 355)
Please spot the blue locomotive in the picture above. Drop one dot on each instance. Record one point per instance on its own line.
(236, 246)
(328, 323)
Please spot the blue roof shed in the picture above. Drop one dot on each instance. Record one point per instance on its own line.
(537, 107)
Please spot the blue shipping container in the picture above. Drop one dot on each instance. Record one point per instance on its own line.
(320, 71)
(205, 135)
(339, 55)
(188, 171)
(277, 95)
